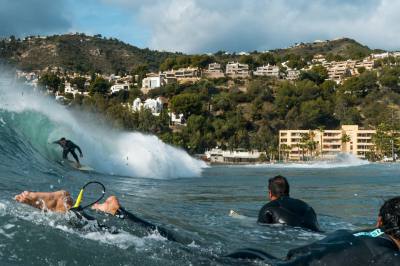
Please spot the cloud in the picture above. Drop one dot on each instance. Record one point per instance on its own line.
(31, 17)
(236, 25)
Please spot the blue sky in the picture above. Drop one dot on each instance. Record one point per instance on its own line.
(197, 26)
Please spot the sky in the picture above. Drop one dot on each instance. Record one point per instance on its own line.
(202, 26)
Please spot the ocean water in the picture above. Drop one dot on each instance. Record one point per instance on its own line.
(164, 185)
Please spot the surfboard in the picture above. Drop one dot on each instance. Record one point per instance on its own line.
(84, 168)
(234, 214)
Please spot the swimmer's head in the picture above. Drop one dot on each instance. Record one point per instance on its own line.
(389, 217)
(278, 186)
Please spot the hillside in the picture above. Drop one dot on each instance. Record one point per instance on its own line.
(344, 47)
(82, 53)
(78, 52)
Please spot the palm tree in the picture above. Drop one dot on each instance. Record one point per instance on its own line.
(305, 138)
(321, 141)
(311, 143)
(345, 138)
(285, 149)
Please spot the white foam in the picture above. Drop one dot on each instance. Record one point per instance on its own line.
(106, 150)
(58, 221)
(340, 161)
(8, 226)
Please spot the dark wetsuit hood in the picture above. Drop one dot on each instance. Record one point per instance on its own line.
(339, 248)
(344, 248)
(289, 211)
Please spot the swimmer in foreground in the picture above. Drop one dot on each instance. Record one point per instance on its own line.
(69, 147)
(379, 246)
(283, 209)
(61, 201)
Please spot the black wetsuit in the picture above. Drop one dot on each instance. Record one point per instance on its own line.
(124, 214)
(289, 211)
(339, 248)
(70, 147)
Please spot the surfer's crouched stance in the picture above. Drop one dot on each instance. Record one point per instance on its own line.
(379, 246)
(61, 201)
(284, 209)
(69, 147)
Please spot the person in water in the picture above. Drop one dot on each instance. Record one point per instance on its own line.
(69, 147)
(282, 209)
(378, 246)
(62, 202)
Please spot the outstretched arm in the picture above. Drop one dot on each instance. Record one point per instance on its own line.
(112, 206)
(58, 201)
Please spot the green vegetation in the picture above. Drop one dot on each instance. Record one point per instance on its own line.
(231, 118)
(224, 112)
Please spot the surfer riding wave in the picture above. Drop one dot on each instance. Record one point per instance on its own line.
(69, 147)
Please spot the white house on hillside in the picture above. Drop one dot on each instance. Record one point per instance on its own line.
(70, 89)
(154, 105)
(118, 87)
(152, 82)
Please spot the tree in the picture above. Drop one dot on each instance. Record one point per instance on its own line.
(317, 74)
(386, 140)
(321, 130)
(50, 81)
(285, 151)
(99, 85)
(79, 82)
(266, 58)
(345, 139)
(186, 104)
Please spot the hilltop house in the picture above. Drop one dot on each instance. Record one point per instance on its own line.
(237, 70)
(118, 87)
(154, 105)
(268, 71)
(214, 71)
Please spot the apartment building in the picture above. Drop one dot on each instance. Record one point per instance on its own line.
(268, 70)
(367, 64)
(214, 70)
(190, 72)
(237, 70)
(337, 70)
(349, 139)
(292, 74)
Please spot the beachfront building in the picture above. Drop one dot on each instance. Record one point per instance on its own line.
(237, 70)
(294, 145)
(237, 156)
(268, 71)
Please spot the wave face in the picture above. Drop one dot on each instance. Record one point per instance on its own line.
(29, 122)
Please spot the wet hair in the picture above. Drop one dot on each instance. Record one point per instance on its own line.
(390, 215)
(62, 139)
(278, 186)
